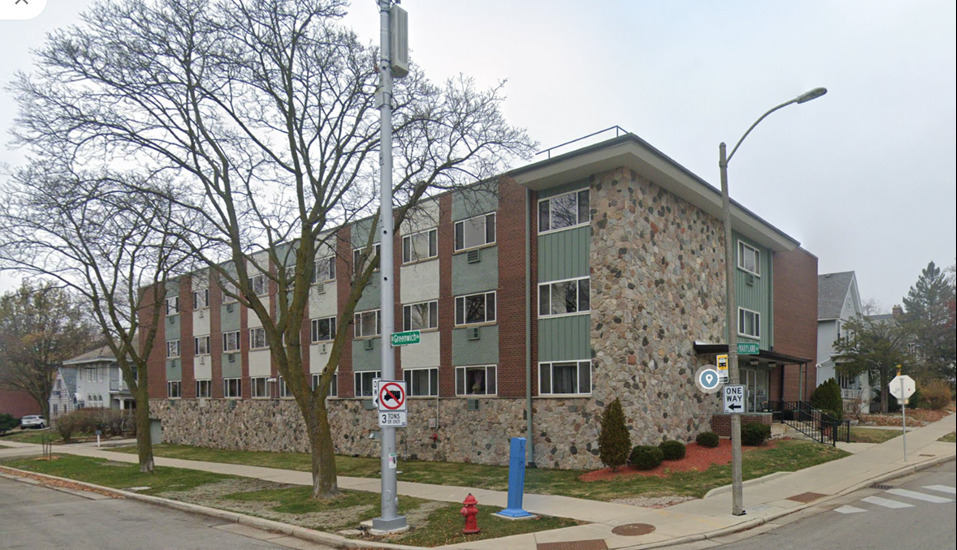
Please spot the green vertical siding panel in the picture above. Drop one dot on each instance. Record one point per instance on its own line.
(174, 369)
(234, 369)
(366, 359)
(755, 295)
(564, 338)
(562, 189)
(229, 320)
(483, 351)
(173, 326)
(370, 298)
(475, 200)
(360, 232)
(564, 254)
(478, 277)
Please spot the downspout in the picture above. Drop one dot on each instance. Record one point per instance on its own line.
(530, 445)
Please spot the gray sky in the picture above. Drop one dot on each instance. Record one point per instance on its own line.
(864, 177)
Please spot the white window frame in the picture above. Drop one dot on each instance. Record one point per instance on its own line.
(461, 307)
(484, 237)
(359, 380)
(172, 349)
(410, 246)
(258, 284)
(232, 388)
(284, 391)
(224, 286)
(546, 210)
(357, 252)
(413, 385)
(201, 345)
(324, 270)
(743, 250)
(314, 324)
(467, 390)
(743, 314)
(204, 388)
(174, 389)
(201, 298)
(358, 322)
(227, 337)
(172, 305)
(257, 338)
(579, 289)
(546, 377)
(259, 387)
(333, 386)
(431, 308)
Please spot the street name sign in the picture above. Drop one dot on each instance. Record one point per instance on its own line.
(734, 399)
(406, 338)
(748, 348)
(723, 368)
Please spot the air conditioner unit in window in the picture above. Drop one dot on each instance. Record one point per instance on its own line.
(367, 344)
(320, 288)
(474, 333)
(232, 357)
(322, 348)
(472, 404)
(474, 256)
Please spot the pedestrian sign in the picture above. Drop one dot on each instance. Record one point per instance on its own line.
(734, 399)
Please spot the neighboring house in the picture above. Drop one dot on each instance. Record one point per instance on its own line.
(839, 300)
(98, 381)
(595, 274)
(63, 398)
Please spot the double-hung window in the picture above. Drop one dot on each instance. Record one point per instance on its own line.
(421, 316)
(201, 298)
(172, 305)
(563, 211)
(333, 386)
(231, 341)
(420, 246)
(564, 297)
(172, 349)
(324, 270)
(475, 309)
(232, 387)
(201, 345)
(228, 288)
(259, 387)
(475, 380)
(367, 324)
(257, 338)
(204, 388)
(358, 258)
(174, 389)
(364, 382)
(323, 330)
(257, 284)
(474, 232)
(421, 382)
(564, 378)
(749, 323)
(749, 258)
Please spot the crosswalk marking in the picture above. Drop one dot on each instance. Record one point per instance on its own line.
(942, 489)
(846, 509)
(886, 503)
(919, 496)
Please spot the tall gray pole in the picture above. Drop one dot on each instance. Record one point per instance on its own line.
(390, 520)
(737, 491)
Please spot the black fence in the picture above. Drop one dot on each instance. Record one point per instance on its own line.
(816, 424)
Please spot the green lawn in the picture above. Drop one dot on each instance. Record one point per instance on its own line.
(949, 438)
(872, 435)
(33, 436)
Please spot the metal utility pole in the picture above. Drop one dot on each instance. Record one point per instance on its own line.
(737, 490)
(389, 521)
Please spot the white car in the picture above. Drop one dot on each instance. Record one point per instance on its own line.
(33, 421)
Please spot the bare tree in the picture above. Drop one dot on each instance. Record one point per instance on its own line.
(112, 246)
(41, 325)
(263, 116)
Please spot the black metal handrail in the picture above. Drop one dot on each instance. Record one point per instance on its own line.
(814, 423)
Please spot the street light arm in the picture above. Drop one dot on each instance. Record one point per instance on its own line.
(756, 122)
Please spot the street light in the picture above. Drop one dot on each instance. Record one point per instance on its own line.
(737, 505)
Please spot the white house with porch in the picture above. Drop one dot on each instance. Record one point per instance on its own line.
(838, 300)
(98, 381)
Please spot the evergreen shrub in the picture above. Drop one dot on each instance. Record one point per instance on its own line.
(827, 398)
(614, 442)
(707, 439)
(672, 450)
(645, 457)
(754, 434)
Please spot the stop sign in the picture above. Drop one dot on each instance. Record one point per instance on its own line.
(902, 386)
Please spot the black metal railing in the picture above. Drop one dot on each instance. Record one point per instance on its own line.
(814, 423)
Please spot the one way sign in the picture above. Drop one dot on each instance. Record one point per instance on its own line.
(734, 399)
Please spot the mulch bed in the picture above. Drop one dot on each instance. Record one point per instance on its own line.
(697, 459)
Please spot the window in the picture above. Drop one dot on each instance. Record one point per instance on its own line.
(201, 345)
(324, 329)
(257, 338)
(258, 284)
(475, 308)
(200, 298)
(259, 387)
(564, 297)
(367, 324)
(174, 389)
(563, 211)
(420, 246)
(749, 258)
(204, 388)
(749, 323)
(473, 232)
(364, 382)
(229, 288)
(172, 349)
(284, 390)
(172, 305)
(475, 380)
(422, 316)
(333, 386)
(357, 256)
(325, 269)
(421, 382)
(231, 341)
(232, 387)
(564, 378)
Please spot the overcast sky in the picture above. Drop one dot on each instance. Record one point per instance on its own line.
(863, 177)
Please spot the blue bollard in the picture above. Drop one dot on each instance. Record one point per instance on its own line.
(516, 480)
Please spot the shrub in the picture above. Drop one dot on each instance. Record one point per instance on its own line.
(110, 422)
(672, 450)
(614, 442)
(827, 398)
(8, 422)
(754, 434)
(707, 439)
(936, 394)
(645, 457)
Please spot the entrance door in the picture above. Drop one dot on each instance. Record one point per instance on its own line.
(757, 382)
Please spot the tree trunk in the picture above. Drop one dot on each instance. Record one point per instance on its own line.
(144, 442)
(324, 480)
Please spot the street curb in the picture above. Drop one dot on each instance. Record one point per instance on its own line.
(311, 535)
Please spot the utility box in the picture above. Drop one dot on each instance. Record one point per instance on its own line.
(156, 431)
(399, 41)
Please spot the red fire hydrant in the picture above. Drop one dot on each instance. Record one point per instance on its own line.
(470, 513)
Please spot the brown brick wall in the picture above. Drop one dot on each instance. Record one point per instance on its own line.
(511, 313)
(343, 287)
(186, 351)
(795, 318)
(721, 423)
(446, 238)
(156, 361)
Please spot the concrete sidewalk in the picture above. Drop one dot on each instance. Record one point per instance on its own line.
(765, 499)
